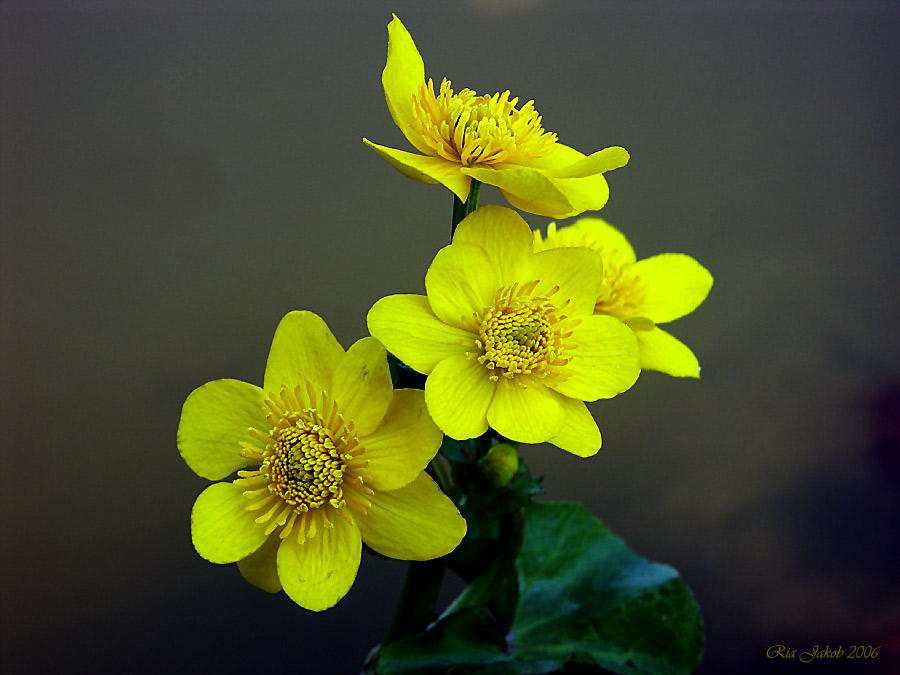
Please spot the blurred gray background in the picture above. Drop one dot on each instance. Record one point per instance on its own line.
(176, 176)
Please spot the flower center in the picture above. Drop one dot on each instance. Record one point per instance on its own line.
(622, 292)
(306, 467)
(473, 129)
(310, 464)
(521, 336)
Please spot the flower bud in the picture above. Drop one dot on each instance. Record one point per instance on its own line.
(499, 465)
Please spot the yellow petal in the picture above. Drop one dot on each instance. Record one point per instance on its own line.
(663, 352)
(561, 157)
(319, 572)
(408, 328)
(214, 422)
(416, 522)
(579, 434)
(639, 323)
(459, 283)
(575, 182)
(583, 194)
(676, 284)
(524, 186)
(303, 349)
(401, 447)
(536, 207)
(362, 384)
(426, 169)
(530, 415)
(597, 233)
(404, 73)
(605, 361)
(598, 162)
(259, 568)
(577, 271)
(458, 393)
(504, 235)
(222, 529)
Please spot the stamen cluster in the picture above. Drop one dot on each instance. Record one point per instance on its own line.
(473, 129)
(310, 460)
(522, 335)
(305, 466)
(622, 292)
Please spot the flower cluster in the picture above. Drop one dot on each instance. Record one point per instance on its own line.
(515, 333)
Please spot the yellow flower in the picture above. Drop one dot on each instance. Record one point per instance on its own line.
(641, 293)
(508, 337)
(340, 459)
(463, 136)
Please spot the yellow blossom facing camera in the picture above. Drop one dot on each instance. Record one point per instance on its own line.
(464, 136)
(641, 293)
(508, 337)
(339, 459)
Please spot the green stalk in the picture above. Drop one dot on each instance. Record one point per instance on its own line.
(462, 209)
(415, 608)
(440, 474)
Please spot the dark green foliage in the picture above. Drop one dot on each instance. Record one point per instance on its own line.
(402, 376)
(583, 603)
(480, 503)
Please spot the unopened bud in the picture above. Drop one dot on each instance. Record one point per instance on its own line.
(499, 465)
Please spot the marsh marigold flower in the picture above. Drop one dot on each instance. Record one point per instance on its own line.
(508, 337)
(641, 293)
(338, 456)
(462, 136)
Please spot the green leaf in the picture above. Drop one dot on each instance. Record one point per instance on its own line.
(582, 590)
(490, 569)
(586, 604)
(452, 645)
(458, 452)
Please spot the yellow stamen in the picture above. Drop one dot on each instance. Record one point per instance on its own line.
(268, 514)
(473, 129)
(622, 292)
(357, 503)
(251, 494)
(519, 337)
(304, 464)
(288, 526)
(260, 504)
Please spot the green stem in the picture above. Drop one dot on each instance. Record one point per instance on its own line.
(440, 474)
(462, 209)
(415, 608)
(492, 582)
